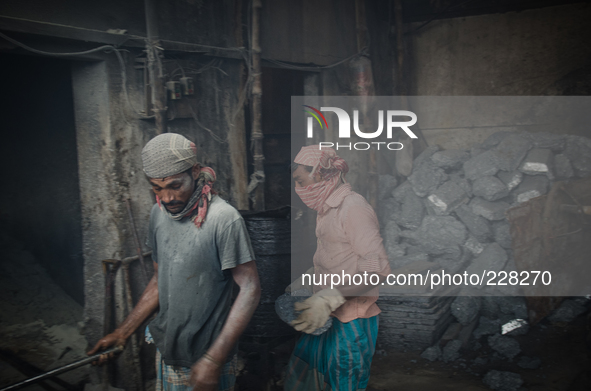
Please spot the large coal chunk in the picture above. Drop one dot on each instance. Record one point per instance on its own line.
(465, 308)
(447, 198)
(284, 307)
(490, 188)
(439, 235)
(450, 158)
(505, 346)
(511, 151)
(484, 164)
(412, 211)
(489, 210)
(477, 225)
(432, 353)
(502, 381)
(426, 178)
(493, 258)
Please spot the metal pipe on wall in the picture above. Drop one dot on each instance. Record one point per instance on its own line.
(156, 74)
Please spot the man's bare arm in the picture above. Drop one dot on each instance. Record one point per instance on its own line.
(247, 278)
(147, 304)
(205, 373)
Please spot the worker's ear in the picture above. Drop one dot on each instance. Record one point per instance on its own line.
(196, 171)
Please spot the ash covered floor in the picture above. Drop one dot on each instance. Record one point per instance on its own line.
(38, 320)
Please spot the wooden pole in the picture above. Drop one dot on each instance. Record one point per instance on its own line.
(257, 92)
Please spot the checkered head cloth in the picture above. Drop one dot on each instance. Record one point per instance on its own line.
(168, 154)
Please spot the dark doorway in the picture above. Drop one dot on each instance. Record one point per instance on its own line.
(40, 198)
(279, 85)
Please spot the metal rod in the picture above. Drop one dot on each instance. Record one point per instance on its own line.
(134, 343)
(138, 246)
(57, 371)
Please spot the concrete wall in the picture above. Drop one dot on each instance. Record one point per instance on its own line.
(535, 52)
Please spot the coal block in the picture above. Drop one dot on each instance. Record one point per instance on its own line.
(552, 141)
(465, 308)
(502, 381)
(284, 307)
(494, 139)
(462, 182)
(386, 183)
(489, 210)
(425, 156)
(412, 212)
(484, 164)
(531, 187)
(487, 326)
(426, 178)
(562, 167)
(493, 258)
(477, 225)
(511, 179)
(505, 346)
(568, 311)
(511, 151)
(388, 209)
(579, 153)
(539, 162)
(450, 158)
(439, 234)
(447, 198)
(432, 353)
(502, 233)
(473, 245)
(490, 188)
(400, 191)
(451, 351)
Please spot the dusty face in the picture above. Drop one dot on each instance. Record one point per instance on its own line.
(174, 191)
(302, 178)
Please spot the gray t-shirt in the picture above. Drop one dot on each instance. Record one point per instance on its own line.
(194, 280)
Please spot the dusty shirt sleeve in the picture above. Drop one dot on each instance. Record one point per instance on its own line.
(234, 246)
(363, 233)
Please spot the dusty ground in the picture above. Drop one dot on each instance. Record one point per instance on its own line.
(38, 320)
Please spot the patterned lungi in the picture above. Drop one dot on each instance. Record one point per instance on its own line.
(176, 378)
(338, 360)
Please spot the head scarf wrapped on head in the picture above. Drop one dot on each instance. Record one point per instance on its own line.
(170, 154)
(332, 170)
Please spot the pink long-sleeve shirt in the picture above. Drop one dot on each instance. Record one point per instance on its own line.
(349, 241)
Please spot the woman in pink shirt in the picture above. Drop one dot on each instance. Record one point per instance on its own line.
(349, 244)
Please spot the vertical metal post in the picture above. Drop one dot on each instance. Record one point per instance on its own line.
(257, 92)
(155, 67)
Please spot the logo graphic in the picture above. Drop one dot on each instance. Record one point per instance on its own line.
(345, 122)
(315, 116)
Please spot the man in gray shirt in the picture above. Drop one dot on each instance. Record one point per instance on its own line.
(200, 246)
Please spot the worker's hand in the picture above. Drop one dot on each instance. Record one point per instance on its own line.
(205, 375)
(317, 309)
(113, 339)
(297, 284)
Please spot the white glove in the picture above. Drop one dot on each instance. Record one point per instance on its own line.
(297, 284)
(317, 309)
